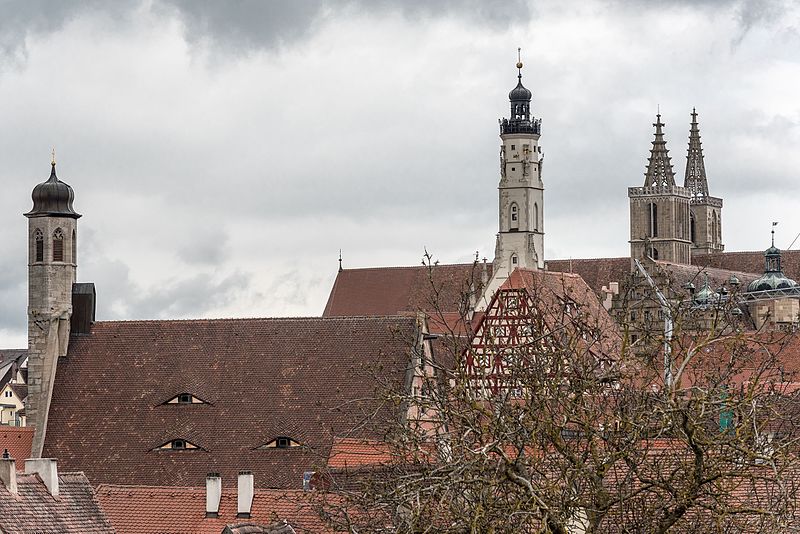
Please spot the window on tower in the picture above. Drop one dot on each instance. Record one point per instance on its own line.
(38, 238)
(652, 215)
(58, 245)
(74, 257)
(514, 217)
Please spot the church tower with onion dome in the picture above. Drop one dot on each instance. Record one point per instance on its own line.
(520, 240)
(52, 266)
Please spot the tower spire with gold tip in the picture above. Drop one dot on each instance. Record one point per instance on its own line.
(659, 167)
(695, 179)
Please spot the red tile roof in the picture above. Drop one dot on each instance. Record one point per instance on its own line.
(18, 440)
(34, 510)
(393, 290)
(308, 379)
(165, 510)
(751, 261)
(596, 272)
(354, 453)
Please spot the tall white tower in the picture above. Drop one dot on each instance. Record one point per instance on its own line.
(52, 265)
(520, 241)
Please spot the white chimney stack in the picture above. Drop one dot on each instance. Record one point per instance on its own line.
(47, 470)
(245, 497)
(8, 473)
(213, 494)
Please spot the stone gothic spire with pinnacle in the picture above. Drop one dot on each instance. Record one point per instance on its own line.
(705, 223)
(660, 209)
(659, 167)
(520, 239)
(695, 178)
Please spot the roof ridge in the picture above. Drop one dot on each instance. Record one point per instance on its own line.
(591, 259)
(388, 267)
(266, 319)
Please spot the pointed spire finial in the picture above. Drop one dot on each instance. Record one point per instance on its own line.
(774, 224)
(519, 62)
(340, 260)
(53, 157)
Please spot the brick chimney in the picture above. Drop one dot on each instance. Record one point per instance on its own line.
(245, 496)
(8, 472)
(213, 494)
(47, 470)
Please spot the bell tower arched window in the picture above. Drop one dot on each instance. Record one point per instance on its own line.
(513, 217)
(692, 232)
(58, 245)
(38, 240)
(652, 216)
(514, 262)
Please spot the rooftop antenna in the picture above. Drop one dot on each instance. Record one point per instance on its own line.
(340, 260)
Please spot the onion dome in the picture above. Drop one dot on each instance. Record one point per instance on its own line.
(706, 295)
(52, 198)
(520, 92)
(773, 277)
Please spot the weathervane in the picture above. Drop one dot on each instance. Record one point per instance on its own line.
(340, 260)
(774, 224)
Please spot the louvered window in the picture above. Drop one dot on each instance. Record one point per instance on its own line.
(58, 245)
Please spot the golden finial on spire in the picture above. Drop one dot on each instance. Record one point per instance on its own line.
(519, 58)
(53, 158)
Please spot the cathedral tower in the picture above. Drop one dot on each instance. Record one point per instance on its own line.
(660, 209)
(52, 264)
(520, 241)
(705, 218)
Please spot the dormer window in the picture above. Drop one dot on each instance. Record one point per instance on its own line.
(185, 398)
(282, 442)
(177, 445)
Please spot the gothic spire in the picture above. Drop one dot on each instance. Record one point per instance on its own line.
(659, 169)
(695, 179)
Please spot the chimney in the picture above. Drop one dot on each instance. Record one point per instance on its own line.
(245, 497)
(8, 472)
(47, 470)
(213, 494)
(84, 299)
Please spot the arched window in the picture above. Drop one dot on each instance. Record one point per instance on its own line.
(652, 214)
(514, 262)
(74, 248)
(38, 239)
(58, 245)
(692, 233)
(514, 217)
(535, 217)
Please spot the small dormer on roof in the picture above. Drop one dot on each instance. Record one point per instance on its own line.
(53, 198)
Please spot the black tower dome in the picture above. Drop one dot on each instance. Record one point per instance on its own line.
(521, 120)
(52, 198)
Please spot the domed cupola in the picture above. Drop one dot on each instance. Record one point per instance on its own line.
(773, 277)
(53, 198)
(706, 295)
(521, 120)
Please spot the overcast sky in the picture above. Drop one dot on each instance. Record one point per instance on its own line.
(222, 153)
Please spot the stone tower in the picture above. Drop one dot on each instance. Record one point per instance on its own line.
(52, 263)
(705, 218)
(520, 240)
(660, 209)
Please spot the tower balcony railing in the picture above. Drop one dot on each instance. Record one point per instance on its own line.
(514, 126)
(655, 190)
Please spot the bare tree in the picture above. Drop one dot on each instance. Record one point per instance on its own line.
(543, 415)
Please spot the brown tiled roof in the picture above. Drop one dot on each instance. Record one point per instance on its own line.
(251, 528)
(682, 273)
(165, 510)
(751, 261)
(305, 378)
(596, 272)
(397, 290)
(34, 510)
(20, 390)
(353, 453)
(18, 440)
